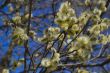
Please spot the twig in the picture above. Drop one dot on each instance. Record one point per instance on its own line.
(26, 42)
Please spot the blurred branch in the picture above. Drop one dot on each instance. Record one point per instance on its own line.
(26, 42)
(7, 58)
(107, 4)
(86, 65)
(105, 71)
(102, 50)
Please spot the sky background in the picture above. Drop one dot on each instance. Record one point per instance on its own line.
(44, 7)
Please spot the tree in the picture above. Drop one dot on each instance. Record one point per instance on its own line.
(61, 39)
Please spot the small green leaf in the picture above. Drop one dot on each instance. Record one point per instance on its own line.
(20, 42)
(15, 36)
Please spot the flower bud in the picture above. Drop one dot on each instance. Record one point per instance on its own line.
(46, 62)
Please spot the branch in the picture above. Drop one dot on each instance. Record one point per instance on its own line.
(107, 4)
(6, 59)
(86, 65)
(26, 42)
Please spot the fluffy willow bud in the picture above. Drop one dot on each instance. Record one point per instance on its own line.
(96, 18)
(103, 26)
(56, 57)
(17, 19)
(82, 71)
(104, 9)
(54, 29)
(102, 4)
(53, 67)
(32, 34)
(27, 16)
(69, 40)
(10, 8)
(65, 16)
(103, 39)
(84, 54)
(19, 30)
(83, 40)
(71, 12)
(106, 20)
(64, 26)
(74, 29)
(87, 2)
(72, 49)
(20, 34)
(97, 11)
(5, 71)
(95, 29)
(16, 64)
(84, 17)
(53, 49)
(109, 38)
(51, 33)
(24, 37)
(64, 7)
(46, 62)
(73, 19)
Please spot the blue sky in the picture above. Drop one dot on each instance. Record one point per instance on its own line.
(5, 42)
